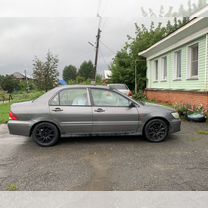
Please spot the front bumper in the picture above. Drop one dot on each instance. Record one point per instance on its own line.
(20, 127)
(175, 126)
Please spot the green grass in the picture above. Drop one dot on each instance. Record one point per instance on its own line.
(195, 139)
(12, 187)
(202, 132)
(17, 97)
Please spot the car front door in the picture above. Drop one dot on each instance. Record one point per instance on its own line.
(72, 109)
(112, 112)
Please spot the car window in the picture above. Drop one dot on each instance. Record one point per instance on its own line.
(74, 97)
(55, 100)
(108, 98)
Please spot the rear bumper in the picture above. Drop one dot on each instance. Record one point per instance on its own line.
(175, 126)
(20, 127)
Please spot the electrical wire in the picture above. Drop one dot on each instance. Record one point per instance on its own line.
(103, 57)
(111, 50)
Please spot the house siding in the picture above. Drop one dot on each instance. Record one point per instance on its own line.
(184, 83)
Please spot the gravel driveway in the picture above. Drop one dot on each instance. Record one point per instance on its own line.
(107, 163)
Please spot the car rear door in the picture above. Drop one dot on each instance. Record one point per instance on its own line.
(71, 107)
(111, 112)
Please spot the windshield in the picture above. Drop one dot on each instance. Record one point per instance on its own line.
(119, 86)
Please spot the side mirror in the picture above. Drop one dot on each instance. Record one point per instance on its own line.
(131, 105)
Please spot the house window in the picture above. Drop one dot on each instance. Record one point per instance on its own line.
(194, 58)
(178, 64)
(156, 70)
(164, 65)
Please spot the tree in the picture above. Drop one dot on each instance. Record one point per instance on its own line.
(87, 70)
(9, 83)
(69, 73)
(46, 73)
(127, 59)
(182, 11)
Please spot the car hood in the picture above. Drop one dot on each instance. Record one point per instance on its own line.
(158, 107)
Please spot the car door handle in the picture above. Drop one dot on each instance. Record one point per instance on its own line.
(57, 109)
(99, 110)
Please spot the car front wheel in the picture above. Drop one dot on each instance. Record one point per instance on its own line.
(156, 130)
(45, 134)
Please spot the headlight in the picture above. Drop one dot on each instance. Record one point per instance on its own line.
(175, 115)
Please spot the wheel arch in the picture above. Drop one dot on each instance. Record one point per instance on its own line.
(156, 117)
(44, 121)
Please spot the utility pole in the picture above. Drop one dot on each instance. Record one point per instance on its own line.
(97, 50)
(27, 88)
(136, 84)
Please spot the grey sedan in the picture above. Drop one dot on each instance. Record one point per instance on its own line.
(89, 110)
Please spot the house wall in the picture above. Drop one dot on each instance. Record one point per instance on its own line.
(184, 84)
(179, 97)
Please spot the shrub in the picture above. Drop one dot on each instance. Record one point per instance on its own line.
(187, 109)
(140, 96)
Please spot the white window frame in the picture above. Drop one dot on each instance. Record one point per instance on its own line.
(176, 77)
(190, 47)
(156, 75)
(163, 68)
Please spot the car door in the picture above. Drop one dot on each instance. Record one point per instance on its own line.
(112, 113)
(72, 109)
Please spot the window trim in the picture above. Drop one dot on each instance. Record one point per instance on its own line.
(104, 106)
(163, 68)
(190, 47)
(73, 88)
(156, 80)
(177, 78)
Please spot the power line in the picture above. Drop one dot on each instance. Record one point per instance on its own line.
(111, 50)
(103, 57)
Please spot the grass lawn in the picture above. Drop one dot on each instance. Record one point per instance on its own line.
(17, 97)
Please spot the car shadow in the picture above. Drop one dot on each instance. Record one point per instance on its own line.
(110, 139)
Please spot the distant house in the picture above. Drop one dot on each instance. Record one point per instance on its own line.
(107, 74)
(177, 66)
(20, 76)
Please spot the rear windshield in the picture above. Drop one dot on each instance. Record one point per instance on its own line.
(119, 86)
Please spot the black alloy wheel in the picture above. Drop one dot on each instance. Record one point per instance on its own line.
(156, 130)
(45, 134)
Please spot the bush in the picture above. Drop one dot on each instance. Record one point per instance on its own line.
(140, 96)
(187, 109)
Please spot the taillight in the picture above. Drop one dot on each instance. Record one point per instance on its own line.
(12, 116)
(130, 94)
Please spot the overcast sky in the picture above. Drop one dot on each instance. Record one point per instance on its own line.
(30, 28)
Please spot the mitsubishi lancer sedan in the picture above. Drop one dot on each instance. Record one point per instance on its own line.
(88, 111)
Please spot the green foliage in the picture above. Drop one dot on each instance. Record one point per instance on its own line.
(12, 187)
(187, 109)
(140, 96)
(127, 61)
(87, 70)
(69, 73)
(99, 80)
(17, 97)
(182, 11)
(9, 83)
(46, 73)
(202, 132)
(23, 86)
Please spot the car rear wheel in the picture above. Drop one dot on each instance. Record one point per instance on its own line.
(45, 134)
(156, 130)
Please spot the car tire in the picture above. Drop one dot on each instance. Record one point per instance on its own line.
(45, 134)
(156, 130)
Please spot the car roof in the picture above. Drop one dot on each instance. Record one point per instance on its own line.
(83, 86)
